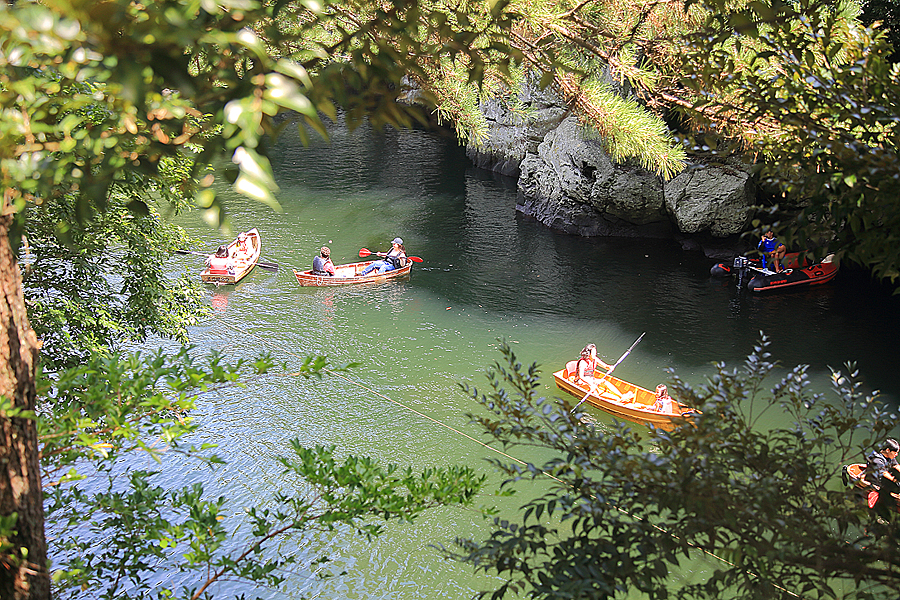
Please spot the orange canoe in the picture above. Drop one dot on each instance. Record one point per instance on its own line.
(622, 399)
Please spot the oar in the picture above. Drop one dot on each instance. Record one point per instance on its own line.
(364, 252)
(191, 252)
(263, 265)
(611, 369)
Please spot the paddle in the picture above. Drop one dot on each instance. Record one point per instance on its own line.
(263, 265)
(365, 252)
(611, 369)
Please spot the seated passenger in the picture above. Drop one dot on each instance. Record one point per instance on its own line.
(242, 248)
(220, 262)
(322, 264)
(880, 461)
(772, 250)
(663, 402)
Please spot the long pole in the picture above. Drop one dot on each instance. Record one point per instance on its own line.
(611, 369)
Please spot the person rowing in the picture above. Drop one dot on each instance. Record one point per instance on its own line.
(395, 258)
(220, 262)
(588, 365)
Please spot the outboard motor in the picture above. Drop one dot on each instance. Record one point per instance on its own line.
(741, 266)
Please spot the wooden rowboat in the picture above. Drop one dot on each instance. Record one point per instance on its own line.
(243, 261)
(349, 273)
(622, 399)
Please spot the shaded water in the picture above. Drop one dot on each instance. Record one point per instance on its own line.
(488, 273)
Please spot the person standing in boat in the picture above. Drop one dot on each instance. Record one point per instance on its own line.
(395, 258)
(220, 261)
(772, 250)
(322, 264)
(587, 366)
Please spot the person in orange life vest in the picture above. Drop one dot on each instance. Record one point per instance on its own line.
(773, 250)
(220, 261)
(322, 264)
(394, 259)
(663, 402)
(587, 365)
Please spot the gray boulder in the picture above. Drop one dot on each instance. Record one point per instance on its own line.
(716, 199)
(567, 181)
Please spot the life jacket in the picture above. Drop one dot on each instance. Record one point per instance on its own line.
(319, 266)
(397, 261)
(589, 369)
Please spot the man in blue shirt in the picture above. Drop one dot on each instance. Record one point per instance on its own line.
(773, 250)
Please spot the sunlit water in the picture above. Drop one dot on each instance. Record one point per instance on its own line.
(488, 273)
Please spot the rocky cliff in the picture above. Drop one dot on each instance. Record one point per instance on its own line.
(567, 181)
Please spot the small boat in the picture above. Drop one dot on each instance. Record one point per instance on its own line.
(622, 399)
(798, 271)
(795, 274)
(852, 475)
(349, 273)
(244, 261)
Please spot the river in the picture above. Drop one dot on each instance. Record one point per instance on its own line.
(487, 273)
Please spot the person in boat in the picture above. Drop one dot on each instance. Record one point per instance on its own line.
(588, 365)
(220, 261)
(772, 250)
(242, 248)
(887, 503)
(322, 264)
(663, 402)
(880, 462)
(395, 258)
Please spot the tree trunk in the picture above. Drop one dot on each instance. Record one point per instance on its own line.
(23, 565)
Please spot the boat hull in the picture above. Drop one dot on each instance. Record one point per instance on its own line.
(243, 264)
(632, 403)
(349, 274)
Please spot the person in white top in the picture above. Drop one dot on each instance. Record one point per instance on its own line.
(663, 401)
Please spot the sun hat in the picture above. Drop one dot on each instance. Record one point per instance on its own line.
(397, 241)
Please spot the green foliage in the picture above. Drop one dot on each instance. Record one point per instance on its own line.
(93, 283)
(628, 506)
(823, 121)
(93, 96)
